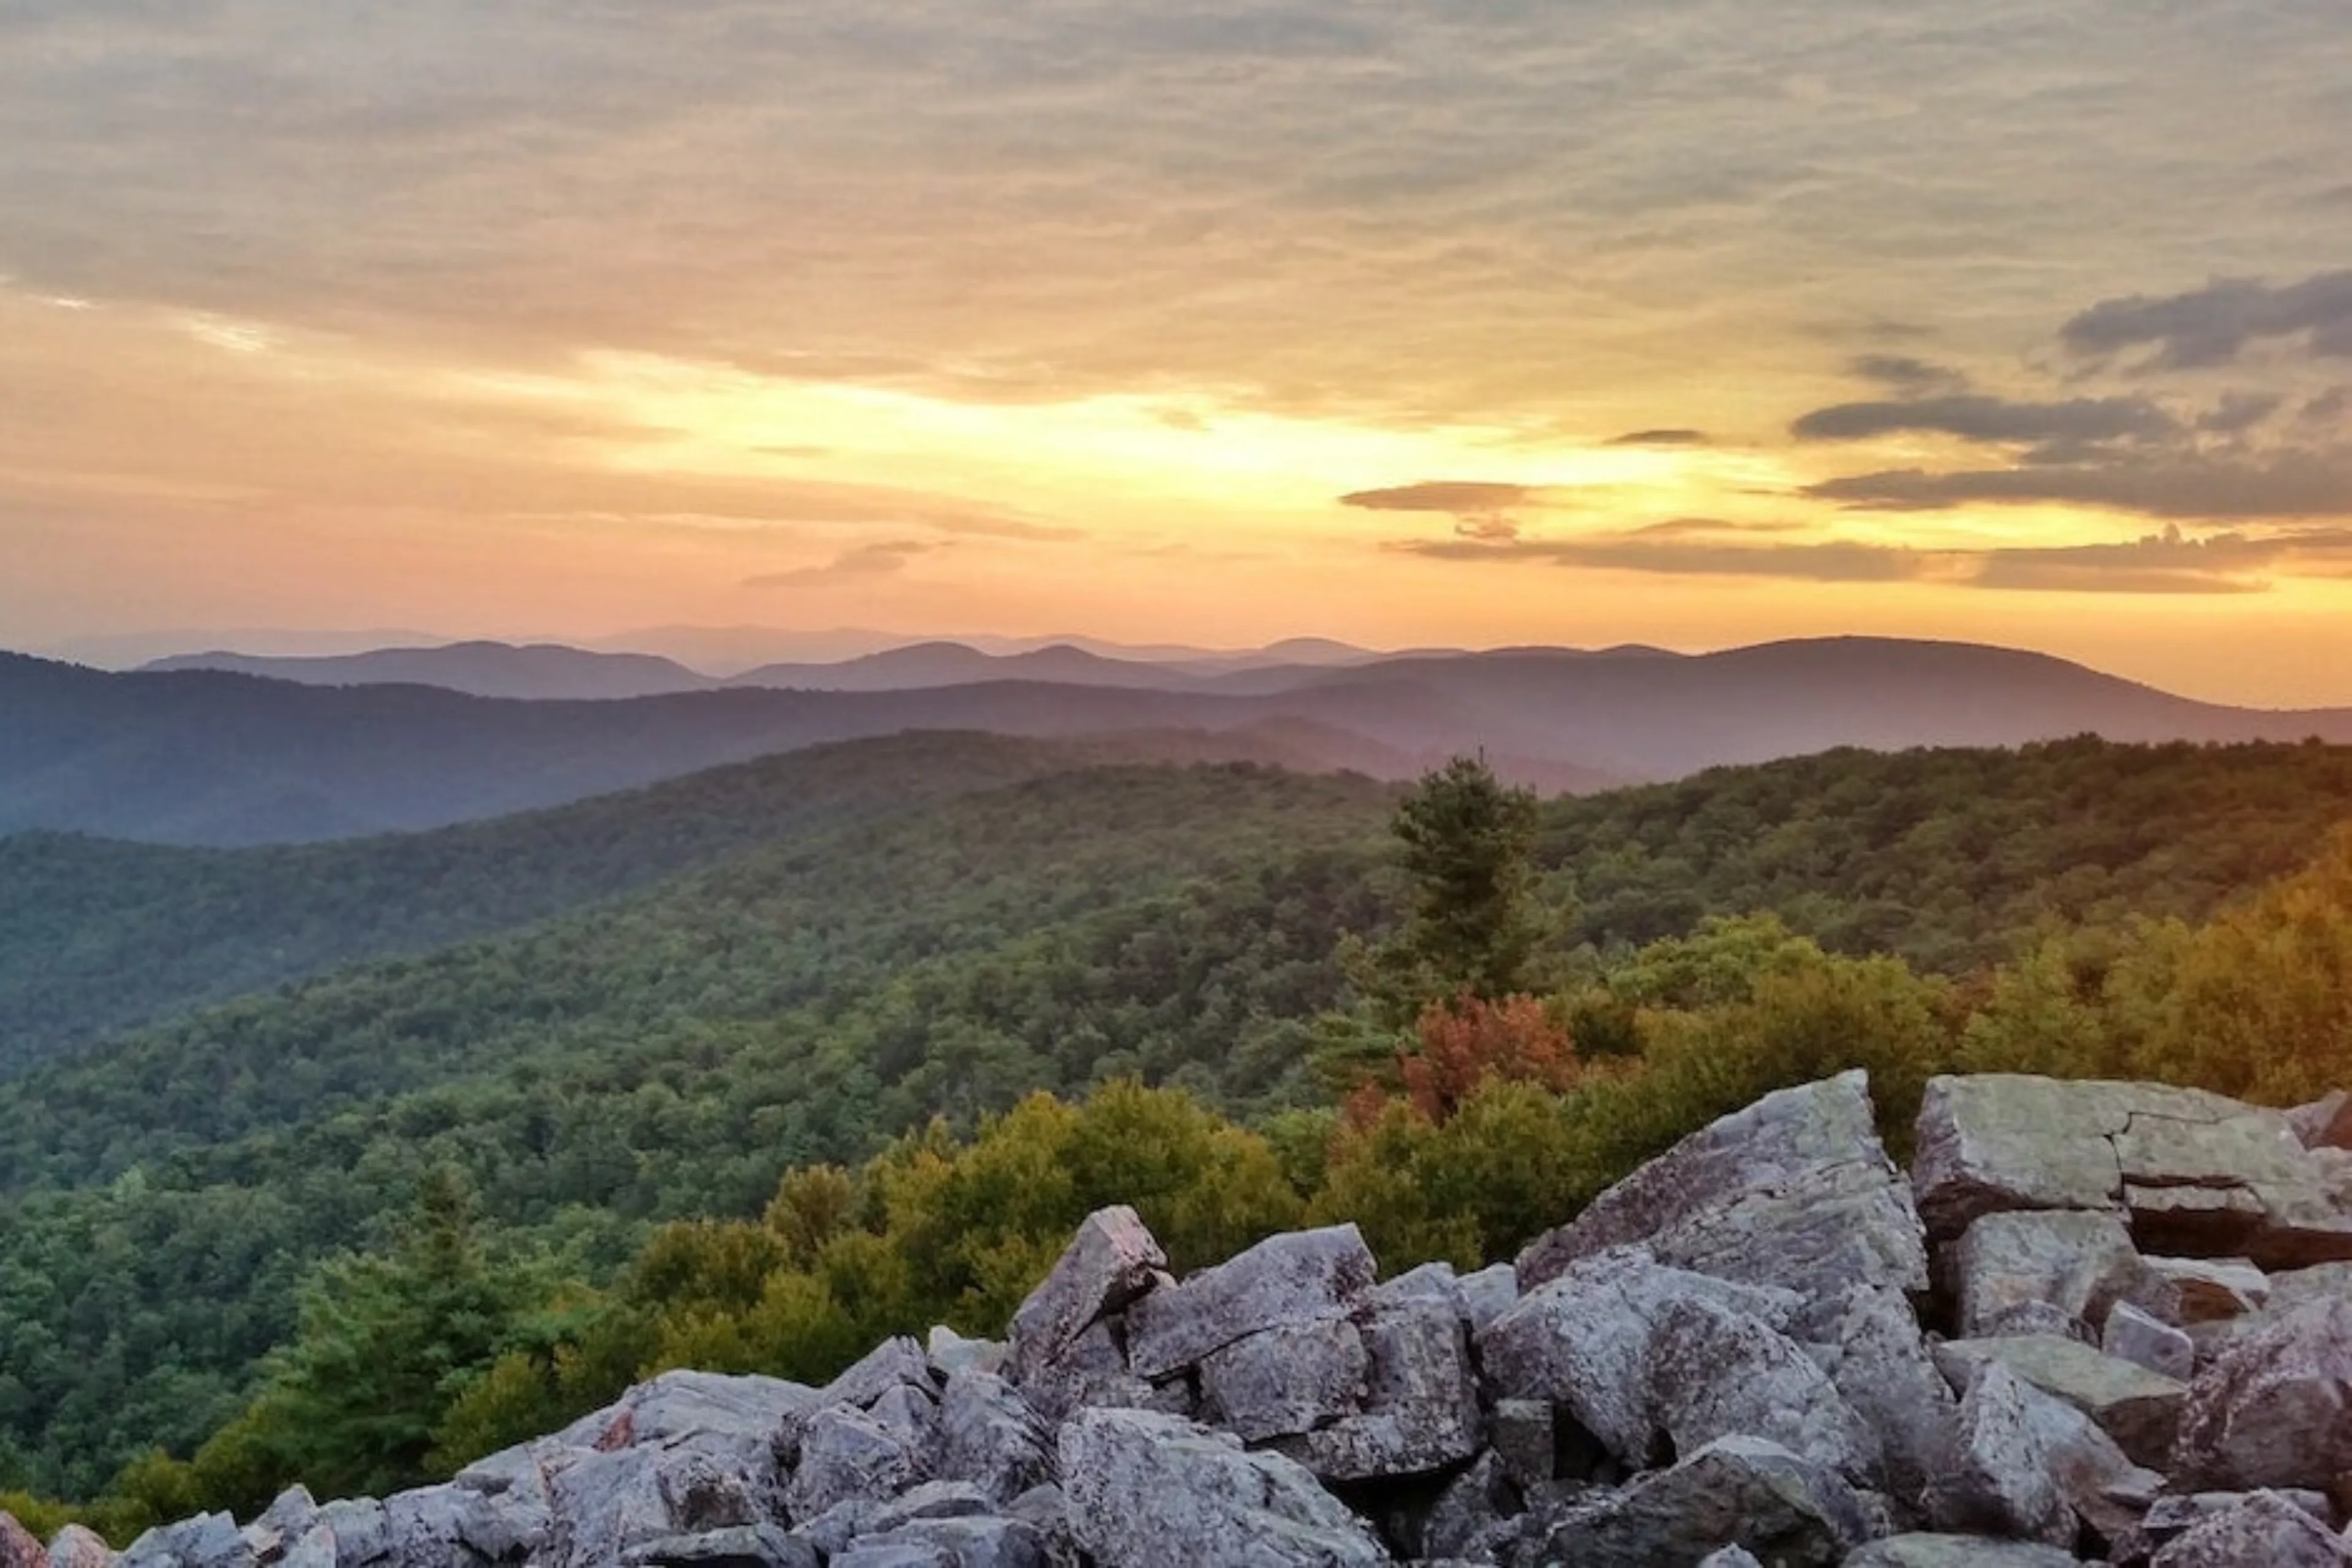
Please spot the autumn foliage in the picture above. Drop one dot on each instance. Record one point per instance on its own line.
(1469, 1041)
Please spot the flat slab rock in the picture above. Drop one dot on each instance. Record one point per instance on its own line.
(2196, 1174)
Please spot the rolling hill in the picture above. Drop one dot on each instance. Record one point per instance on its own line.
(210, 758)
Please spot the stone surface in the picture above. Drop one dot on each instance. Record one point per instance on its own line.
(1928, 1550)
(845, 1454)
(2075, 1261)
(19, 1547)
(1420, 1403)
(1739, 1491)
(949, 1353)
(1583, 1339)
(1869, 1344)
(2003, 1481)
(77, 1546)
(207, 1541)
(990, 1437)
(2185, 1291)
(2275, 1408)
(2139, 1409)
(2325, 1122)
(1289, 1379)
(1285, 1280)
(1714, 1372)
(2144, 1340)
(1795, 1191)
(1524, 1438)
(2262, 1530)
(1489, 1294)
(2196, 1174)
(1145, 1490)
(744, 1546)
(1110, 1262)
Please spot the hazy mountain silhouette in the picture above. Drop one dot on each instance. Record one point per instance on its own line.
(934, 664)
(207, 757)
(479, 669)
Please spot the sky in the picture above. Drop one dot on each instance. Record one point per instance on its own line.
(1471, 322)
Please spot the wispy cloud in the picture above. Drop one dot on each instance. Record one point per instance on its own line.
(864, 564)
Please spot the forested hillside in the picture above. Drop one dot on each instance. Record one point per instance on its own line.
(98, 935)
(837, 976)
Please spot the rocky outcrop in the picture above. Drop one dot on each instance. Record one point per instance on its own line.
(1738, 1356)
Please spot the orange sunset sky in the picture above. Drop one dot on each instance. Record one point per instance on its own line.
(1436, 322)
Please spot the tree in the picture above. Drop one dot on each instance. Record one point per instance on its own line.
(1469, 842)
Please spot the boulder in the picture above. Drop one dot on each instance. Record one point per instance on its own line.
(2075, 1261)
(1582, 1339)
(2262, 1530)
(974, 1542)
(990, 1437)
(1524, 1439)
(19, 1547)
(1795, 1191)
(743, 1546)
(2140, 1410)
(1289, 1379)
(2187, 1291)
(1111, 1260)
(1735, 1491)
(1420, 1402)
(1489, 1294)
(847, 1454)
(286, 1520)
(2325, 1123)
(1145, 1490)
(77, 1546)
(1714, 1372)
(1870, 1345)
(1957, 1551)
(2002, 1482)
(207, 1541)
(1730, 1557)
(2274, 1409)
(2195, 1174)
(2145, 1340)
(1473, 1516)
(1288, 1280)
(949, 1353)
(2300, 1287)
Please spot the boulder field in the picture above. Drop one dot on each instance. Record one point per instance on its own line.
(2097, 1323)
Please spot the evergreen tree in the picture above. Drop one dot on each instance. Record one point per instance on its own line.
(1469, 842)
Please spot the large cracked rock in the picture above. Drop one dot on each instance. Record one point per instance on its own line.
(2261, 1530)
(1795, 1191)
(1420, 1409)
(2195, 1174)
(1112, 1260)
(2275, 1408)
(2139, 1408)
(1146, 1489)
(1283, 1281)
(1738, 1491)
(1583, 1339)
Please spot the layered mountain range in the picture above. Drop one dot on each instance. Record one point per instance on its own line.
(225, 749)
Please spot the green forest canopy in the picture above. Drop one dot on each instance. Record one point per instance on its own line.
(673, 1053)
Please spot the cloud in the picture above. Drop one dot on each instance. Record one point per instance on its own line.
(1823, 562)
(2189, 487)
(864, 564)
(1670, 437)
(1912, 377)
(2162, 563)
(1976, 417)
(2217, 324)
(1479, 509)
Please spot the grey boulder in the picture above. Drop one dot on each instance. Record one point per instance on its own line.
(1145, 1490)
